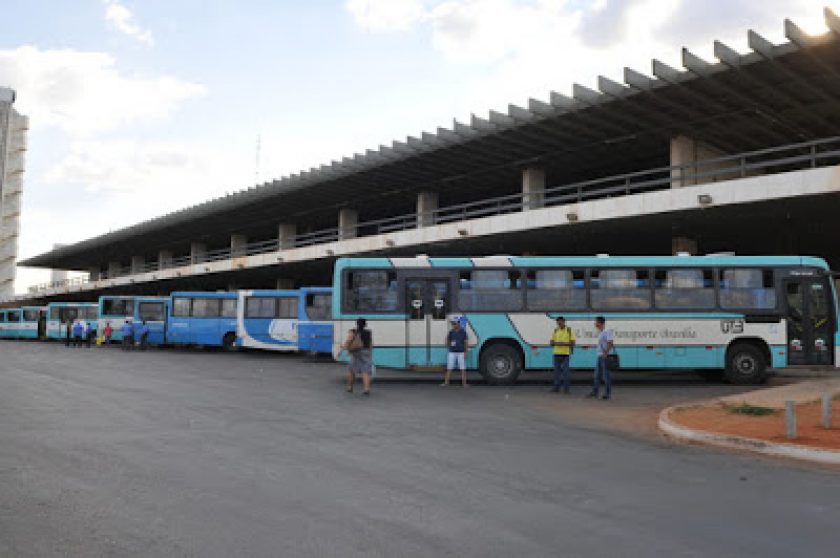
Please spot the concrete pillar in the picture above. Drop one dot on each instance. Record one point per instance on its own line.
(197, 251)
(347, 221)
(284, 283)
(687, 151)
(533, 187)
(137, 264)
(237, 244)
(60, 275)
(427, 203)
(165, 259)
(683, 244)
(286, 233)
(114, 269)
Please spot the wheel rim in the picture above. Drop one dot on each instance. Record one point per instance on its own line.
(745, 364)
(500, 366)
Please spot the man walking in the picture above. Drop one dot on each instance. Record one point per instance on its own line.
(456, 343)
(605, 346)
(563, 342)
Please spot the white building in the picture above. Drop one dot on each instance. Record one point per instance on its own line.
(13, 127)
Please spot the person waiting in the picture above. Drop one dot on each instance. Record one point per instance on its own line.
(142, 334)
(127, 336)
(563, 343)
(78, 333)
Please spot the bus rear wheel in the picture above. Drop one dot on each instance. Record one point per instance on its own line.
(500, 364)
(229, 342)
(745, 365)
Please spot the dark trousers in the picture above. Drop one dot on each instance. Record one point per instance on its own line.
(77, 340)
(144, 341)
(561, 371)
(602, 374)
(128, 342)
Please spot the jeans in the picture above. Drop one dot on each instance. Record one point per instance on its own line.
(454, 360)
(561, 371)
(602, 373)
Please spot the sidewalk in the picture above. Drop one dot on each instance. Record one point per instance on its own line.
(760, 426)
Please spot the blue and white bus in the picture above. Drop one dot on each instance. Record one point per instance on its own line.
(10, 323)
(286, 320)
(202, 318)
(738, 314)
(115, 310)
(59, 314)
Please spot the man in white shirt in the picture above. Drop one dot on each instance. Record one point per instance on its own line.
(606, 342)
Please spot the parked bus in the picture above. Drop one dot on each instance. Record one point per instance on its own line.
(60, 313)
(154, 311)
(10, 323)
(737, 314)
(202, 318)
(33, 322)
(285, 320)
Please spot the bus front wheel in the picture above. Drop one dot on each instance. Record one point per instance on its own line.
(229, 342)
(500, 364)
(745, 364)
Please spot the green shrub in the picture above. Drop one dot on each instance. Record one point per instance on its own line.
(752, 410)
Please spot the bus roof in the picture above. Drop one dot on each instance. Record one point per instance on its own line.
(205, 294)
(79, 304)
(712, 260)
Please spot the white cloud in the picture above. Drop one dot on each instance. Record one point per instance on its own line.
(123, 21)
(84, 93)
(386, 15)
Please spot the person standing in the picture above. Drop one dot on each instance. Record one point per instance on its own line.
(144, 335)
(127, 336)
(457, 346)
(606, 342)
(78, 332)
(109, 331)
(359, 343)
(89, 334)
(68, 334)
(563, 343)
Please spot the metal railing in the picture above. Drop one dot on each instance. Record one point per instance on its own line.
(796, 156)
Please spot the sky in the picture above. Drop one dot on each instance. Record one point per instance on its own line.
(139, 108)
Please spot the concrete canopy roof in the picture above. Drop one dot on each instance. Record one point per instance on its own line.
(773, 95)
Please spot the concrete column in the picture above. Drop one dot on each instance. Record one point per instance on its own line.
(164, 259)
(284, 283)
(688, 151)
(137, 264)
(427, 203)
(197, 251)
(237, 244)
(683, 244)
(114, 269)
(347, 221)
(286, 233)
(533, 187)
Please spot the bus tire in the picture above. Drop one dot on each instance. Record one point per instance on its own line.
(229, 342)
(500, 364)
(745, 364)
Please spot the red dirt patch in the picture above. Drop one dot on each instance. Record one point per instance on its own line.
(720, 419)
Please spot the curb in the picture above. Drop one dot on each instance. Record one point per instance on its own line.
(803, 453)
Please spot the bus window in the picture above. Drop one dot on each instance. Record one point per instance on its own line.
(151, 311)
(68, 313)
(287, 307)
(31, 315)
(619, 289)
(370, 291)
(260, 307)
(89, 313)
(13, 316)
(318, 306)
(556, 289)
(490, 290)
(181, 307)
(684, 289)
(206, 307)
(747, 289)
(228, 307)
(117, 307)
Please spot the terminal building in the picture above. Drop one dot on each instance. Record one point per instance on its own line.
(738, 154)
(13, 127)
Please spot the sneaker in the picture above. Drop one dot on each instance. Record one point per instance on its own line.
(444, 384)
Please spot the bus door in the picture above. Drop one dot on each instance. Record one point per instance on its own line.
(42, 324)
(154, 314)
(810, 323)
(425, 332)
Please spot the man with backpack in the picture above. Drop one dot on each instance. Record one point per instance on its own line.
(563, 343)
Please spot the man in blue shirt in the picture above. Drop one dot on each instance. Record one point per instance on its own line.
(141, 332)
(605, 346)
(457, 345)
(128, 336)
(78, 332)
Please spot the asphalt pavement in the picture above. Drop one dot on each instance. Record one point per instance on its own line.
(196, 453)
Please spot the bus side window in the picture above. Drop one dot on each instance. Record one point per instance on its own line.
(619, 289)
(370, 291)
(490, 290)
(318, 306)
(181, 307)
(229, 307)
(747, 289)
